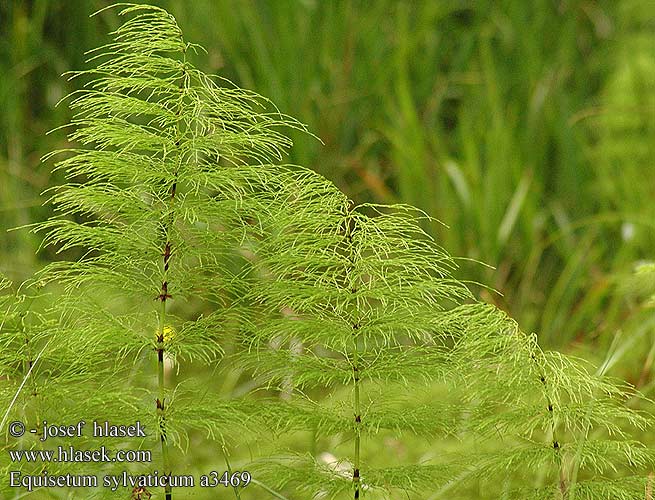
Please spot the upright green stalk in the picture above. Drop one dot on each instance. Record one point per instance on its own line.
(161, 405)
(350, 222)
(161, 409)
(161, 339)
(358, 420)
(29, 362)
(164, 295)
(237, 495)
(563, 486)
(562, 480)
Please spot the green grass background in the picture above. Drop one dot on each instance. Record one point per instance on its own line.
(528, 128)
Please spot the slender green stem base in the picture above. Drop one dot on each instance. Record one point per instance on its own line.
(161, 409)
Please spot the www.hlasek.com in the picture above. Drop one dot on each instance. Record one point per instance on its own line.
(72, 454)
(67, 454)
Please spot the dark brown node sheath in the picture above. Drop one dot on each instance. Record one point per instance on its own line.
(356, 480)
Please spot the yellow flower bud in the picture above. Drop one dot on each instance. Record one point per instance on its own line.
(169, 333)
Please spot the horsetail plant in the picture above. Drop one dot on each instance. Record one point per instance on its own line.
(368, 309)
(45, 379)
(160, 198)
(367, 295)
(193, 244)
(545, 425)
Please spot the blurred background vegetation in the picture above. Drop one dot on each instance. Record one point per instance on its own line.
(527, 127)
